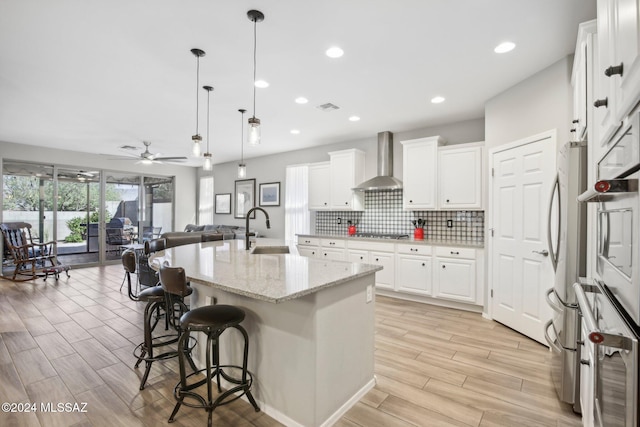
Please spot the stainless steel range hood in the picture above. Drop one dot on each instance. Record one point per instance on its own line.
(385, 179)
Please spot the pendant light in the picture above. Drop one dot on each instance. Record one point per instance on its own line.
(242, 168)
(198, 53)
(253, 134)
(207, 156)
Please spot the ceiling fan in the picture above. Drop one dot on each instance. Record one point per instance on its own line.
(147, 158)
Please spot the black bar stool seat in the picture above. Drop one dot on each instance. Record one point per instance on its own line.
(212, 320)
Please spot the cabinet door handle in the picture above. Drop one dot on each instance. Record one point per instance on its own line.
(410, 201)
(313, 252)
(332, 243)
(601, 103)
(346, 203)
(613, 70)
(413, 250)
(325, 203)
(361, 257)
(444, 266)
(575, 121)
(455, 253)
(377, 260)
(423, 264)
(572, 130)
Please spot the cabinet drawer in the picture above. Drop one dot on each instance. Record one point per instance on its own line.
(370, 246)
(309, 241)
(453, 252)
(333, 243)
(414, 249)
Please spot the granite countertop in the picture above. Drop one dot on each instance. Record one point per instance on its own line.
(410, 240)
(275, 278)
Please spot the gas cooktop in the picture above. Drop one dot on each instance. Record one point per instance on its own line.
(383, 235)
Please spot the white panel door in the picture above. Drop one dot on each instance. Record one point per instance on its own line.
(522, 183)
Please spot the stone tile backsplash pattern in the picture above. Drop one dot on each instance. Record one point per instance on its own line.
(384, 214)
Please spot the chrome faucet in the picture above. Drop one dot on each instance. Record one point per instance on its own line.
(247, 243)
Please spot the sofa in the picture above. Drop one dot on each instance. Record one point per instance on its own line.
(201, 233)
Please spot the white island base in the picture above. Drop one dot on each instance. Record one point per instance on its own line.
(311, 357)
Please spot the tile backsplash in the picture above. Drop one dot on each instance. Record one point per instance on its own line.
(384, 214)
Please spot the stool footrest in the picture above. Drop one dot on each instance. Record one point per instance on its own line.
(244, 387)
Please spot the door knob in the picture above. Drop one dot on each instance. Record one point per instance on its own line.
(543, 252)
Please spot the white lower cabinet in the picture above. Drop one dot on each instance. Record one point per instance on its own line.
(434, 272)
(384, 277)
(454, 274)
(414, 272)
(333, 249)
(376, 253)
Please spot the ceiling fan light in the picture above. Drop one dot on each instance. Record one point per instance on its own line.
(208, 165)
(146, 162)
(242, 171)
(253, 131)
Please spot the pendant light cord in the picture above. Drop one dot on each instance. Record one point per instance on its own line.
(197, 90)
(255, 41)
(208, 114)
(242, 138)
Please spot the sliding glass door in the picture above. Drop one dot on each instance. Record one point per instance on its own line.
(82, 210)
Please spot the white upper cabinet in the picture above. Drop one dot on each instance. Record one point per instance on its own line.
(319, 190)
(617, 68)
(331, 183)
(582, 80)
(347, 171)
(623, 67)
(420, 172)
(460, 177)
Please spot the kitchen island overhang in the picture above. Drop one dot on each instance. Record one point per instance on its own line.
(311, 324)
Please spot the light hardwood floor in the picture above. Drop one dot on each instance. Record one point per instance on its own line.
(72, 341)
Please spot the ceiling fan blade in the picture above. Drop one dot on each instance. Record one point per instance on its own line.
(170, 158)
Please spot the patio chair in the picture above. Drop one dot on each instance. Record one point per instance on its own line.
(116, 238)
(150, 233)
(29, 258)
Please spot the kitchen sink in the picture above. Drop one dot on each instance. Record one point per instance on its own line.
(258, 250)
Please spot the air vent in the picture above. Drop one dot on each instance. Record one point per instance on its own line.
(129, 147)
(328, 107)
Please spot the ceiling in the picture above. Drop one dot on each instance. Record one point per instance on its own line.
(92, 76)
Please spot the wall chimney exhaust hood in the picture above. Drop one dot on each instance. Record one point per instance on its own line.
(385, 179)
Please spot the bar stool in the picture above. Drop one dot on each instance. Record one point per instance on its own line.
(129, 264)
(212, 320)
(157, 299)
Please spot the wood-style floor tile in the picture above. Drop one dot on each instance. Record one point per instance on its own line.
(72, 341)
(51, 392)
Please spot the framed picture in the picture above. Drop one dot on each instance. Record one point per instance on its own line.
(245, 197)
(223, 203)
(270, 194)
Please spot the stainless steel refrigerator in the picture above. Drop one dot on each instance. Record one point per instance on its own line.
(567, 247)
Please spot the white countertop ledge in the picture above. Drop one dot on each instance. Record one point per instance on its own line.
(274, 278)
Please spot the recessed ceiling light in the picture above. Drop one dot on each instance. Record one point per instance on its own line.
(301, 100)
(334, 52)
(504, 47)
(354, 118)
(295, 132)
(437, 99)
(261, 84)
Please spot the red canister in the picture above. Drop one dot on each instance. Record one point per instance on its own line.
(418, 234)
(352, 230)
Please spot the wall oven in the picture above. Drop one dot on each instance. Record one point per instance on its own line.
(610, 306)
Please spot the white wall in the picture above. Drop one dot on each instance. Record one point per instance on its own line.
(272, 168)
(542, 102)
(185, 176)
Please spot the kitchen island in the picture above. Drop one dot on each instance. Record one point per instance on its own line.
(310, 324)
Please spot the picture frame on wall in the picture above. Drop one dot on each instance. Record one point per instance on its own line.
(245, 197)
(270, 194)
(223, 203)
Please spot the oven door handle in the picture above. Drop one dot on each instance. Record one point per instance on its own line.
(554, 255)
(595, 335)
